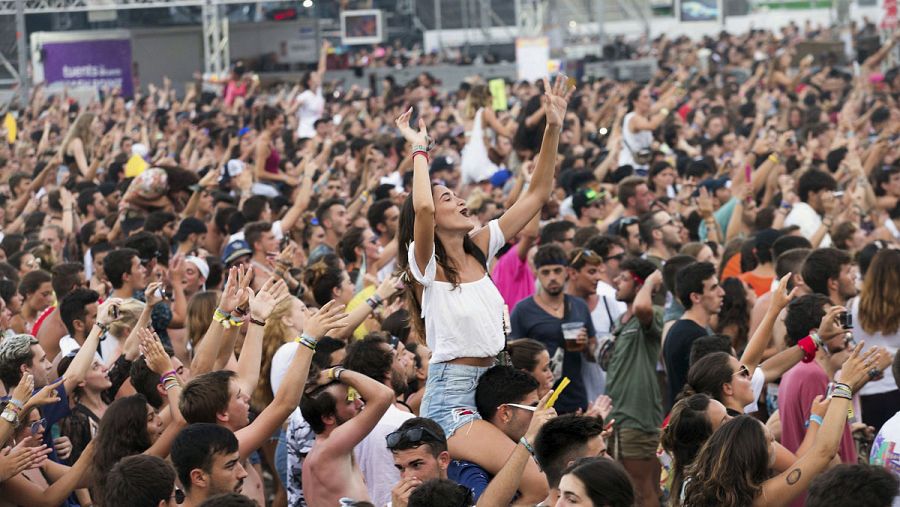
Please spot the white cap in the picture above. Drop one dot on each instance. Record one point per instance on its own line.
(201, 264)
(234, 167)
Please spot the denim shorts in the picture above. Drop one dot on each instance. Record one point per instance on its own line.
(450, 395)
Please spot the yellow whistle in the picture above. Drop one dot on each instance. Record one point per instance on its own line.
(559, 389)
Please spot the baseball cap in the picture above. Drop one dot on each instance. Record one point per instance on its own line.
(586, 196)
(235, 250)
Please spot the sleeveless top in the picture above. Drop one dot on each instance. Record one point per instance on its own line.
(466, 320)
(476, 165)
(273, 160)
(633, 143)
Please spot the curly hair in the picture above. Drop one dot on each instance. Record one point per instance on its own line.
(122, 433)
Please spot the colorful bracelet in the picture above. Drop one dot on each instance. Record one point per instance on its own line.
(307, 341)
(236, 321)
(170, 373)
(813, 418)
(223, 318)
(527, 445)
(842, 391)
(335, 373)
(16, 403)
(423, 153)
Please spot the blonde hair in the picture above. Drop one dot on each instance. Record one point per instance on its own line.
(275, 334)
(199, 314)
(479, 97)
(129, 313)
(80, 129)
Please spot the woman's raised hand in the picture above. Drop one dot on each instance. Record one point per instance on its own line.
(419, 139)
(556, 100)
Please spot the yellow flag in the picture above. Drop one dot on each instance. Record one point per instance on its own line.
(136, 165)
(498, 92)
(11, 129)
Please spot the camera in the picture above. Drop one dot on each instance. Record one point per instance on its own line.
(846, 320)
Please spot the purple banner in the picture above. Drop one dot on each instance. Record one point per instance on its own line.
(89, 63)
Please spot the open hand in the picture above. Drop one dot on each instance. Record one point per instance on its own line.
(270, 295)
(417, 139)
(329, 317)
(154, 354)
(541, 415)
(556, 99)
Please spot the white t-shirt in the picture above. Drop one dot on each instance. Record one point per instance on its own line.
(376, 462)
(804, 216)
(886, 383)
(280, 363)
(277, 231)
(757, 382)
(633, 142)
(312, 105)
(885, 451)
(108, 347)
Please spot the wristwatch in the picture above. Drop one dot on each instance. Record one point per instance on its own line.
(10, 417)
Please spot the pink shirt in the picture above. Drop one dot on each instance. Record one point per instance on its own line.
(799, 386)
(513, 277)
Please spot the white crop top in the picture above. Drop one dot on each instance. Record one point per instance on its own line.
(465, 321)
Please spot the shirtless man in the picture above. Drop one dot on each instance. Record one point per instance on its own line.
(329, 471)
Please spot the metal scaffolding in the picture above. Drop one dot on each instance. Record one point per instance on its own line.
(215, 25)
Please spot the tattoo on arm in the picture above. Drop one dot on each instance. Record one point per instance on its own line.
(793, 477)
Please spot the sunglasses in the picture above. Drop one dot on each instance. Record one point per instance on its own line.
(148, 260)
(742, 371)
(618, 257)
(530, 408)
(38, 425)
(410, 436)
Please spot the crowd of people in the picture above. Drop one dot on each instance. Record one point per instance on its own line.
(682, 292)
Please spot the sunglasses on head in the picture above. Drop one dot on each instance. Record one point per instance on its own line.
(418, 434)
(587, 254)
(743, 371)
(625, 222)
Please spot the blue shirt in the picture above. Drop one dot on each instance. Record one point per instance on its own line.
(531, 321)
(470, 475)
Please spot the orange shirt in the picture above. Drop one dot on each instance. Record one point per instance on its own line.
(760, 284)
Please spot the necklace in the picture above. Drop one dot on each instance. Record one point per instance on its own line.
(554, 309)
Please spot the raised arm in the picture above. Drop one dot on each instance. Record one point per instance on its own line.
(82, 362)
(271, 294)
(378, 399)
(643, 301)
(160, 363)
(758, 343)
(784, 487)
(287, 398)
(555, 101)
(422, 198)
(209, 347)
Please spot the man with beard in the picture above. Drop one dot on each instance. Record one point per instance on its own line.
(208, 463)
(662, 235)
(698, 290)
(376, 359)
(561, 322)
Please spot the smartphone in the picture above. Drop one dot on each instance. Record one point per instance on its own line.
(846, 320)
(115, 312)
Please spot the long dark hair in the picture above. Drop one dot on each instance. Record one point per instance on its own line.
(405, 233)
(708, 375)
(687, 431)
(731, 467)
(605, 481)
(122, 433)
(735, 311)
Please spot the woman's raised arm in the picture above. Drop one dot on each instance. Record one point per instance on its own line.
(423, 201)
(555, 101)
